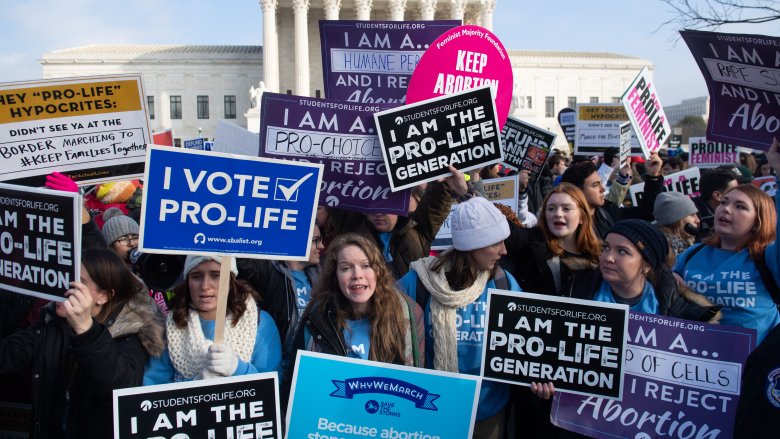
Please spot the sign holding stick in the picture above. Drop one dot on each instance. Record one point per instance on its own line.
(222, 296)
(93, 129)
(578, 345)
(40, 241)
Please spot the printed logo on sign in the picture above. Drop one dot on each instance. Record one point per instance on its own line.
(289, 190)
(200, 238)
(372, 406)
(773, 388)
(350, 387)
(146, 405)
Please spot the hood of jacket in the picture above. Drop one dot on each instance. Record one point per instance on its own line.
(141, 316)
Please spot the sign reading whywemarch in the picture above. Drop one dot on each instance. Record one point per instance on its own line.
(578, 345)
(349, 398)
(244, 406)
(680, 375)
(372, 61)
(420, 141)
(645, 113)
(340, 135)
(198, 202)
(708, 154)
(91, 128)
(685, 182)
(598, 128)
(526, 146)
(40, 245)
(743, 78)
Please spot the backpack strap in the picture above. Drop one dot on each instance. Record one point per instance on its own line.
(422, 294)
(502, 283)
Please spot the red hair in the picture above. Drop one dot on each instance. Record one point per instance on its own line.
(763, 231)
(588, 243)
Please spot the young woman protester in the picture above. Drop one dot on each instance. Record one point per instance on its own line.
(676, 216)
(95, 341)
(453, 287)
(739, 265)
(251, 341)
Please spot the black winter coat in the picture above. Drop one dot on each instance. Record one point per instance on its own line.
(611, 213)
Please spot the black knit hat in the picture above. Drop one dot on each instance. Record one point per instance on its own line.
(648, 239)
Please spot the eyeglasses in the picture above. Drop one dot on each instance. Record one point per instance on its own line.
(316, 240)
(125, 240)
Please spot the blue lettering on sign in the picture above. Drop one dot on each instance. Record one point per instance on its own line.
(387, 386)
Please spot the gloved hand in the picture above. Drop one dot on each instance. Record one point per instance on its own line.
(221, 360)
(61, 182)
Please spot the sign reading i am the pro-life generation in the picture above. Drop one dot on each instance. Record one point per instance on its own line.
(420, 141)
(597, 129)
(245, 406)
(92, 129)
(340, 135)
(343, 397)
(207, 203)
(578, 345)
(742, 73)
(682, 380)
(372, 61)
(526, 146)
(40, 243)
(646, 113)
(708, 154)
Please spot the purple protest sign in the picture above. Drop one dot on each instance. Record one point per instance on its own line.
(372, 61)
(343, 137)
(743, 80)
(682, 380)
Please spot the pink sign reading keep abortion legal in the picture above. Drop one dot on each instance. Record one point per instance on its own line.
(460, 59)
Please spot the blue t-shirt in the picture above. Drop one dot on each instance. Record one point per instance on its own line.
(647, 304)
(266, 355)
(471, 320)
(357, 336)
(302, 290)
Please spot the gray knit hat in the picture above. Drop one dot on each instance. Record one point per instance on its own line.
(117, 225)
(195, 260)
(477, 223)
(671, 207)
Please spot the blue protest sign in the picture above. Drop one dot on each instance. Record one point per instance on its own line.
(210, 203)
(194, 144)
(331, 394)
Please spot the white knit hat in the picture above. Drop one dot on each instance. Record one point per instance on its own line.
(193, 261)
(477, 223)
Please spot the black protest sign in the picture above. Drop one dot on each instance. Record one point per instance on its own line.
(245, 406)
(526, 146)
(40, 241)
(420, 141)
(578, 345)
(567, 119)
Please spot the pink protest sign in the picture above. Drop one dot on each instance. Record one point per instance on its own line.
(460, 59)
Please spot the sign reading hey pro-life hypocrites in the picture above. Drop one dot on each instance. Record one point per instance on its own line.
(209, 203)
(420, 141)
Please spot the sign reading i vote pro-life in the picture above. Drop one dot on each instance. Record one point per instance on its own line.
(350, 398)
(209, 203)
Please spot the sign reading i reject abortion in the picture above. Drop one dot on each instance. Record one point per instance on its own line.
(210, 203)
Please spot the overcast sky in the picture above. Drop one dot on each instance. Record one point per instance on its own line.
(30, 28)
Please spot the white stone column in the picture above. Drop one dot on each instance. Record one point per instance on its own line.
(331, 8)
(270, 46)
(301, 12)
(396, 9)
(457, 9)
(487, 8)
(363, 9)
(427, 9)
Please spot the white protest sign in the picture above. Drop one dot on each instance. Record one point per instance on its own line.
(708, 154)
(645, 113)
(685, 182)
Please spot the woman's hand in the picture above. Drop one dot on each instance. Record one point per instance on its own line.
(773, 156)
(543, 390)
(78, 307)
(654, 165)
(457, 181)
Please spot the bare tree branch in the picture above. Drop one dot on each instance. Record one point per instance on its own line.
(712, 14)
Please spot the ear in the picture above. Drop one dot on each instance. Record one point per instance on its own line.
(104, 296)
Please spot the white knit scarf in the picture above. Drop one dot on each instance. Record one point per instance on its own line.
(188, 347)
(444, 304)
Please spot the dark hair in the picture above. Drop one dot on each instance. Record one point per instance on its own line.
(239, 292)
(578, 172)
(110, 274)
(463, 271)
(554, 160)
(610, 154)
(716, 180)
(675, 162)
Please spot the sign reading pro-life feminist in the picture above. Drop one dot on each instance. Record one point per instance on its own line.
(372, 61)
(743, 79)
(708, 154)
(91, 128)
(340, 135)
(645, 113)
(526, 146)
(682, 380)
(198, 202)
(463, 58)
(420, 141)
(578, 345)
(349, 398)
(40, 246)
(245, 406)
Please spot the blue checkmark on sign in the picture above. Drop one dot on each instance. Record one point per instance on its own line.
(289, 188)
